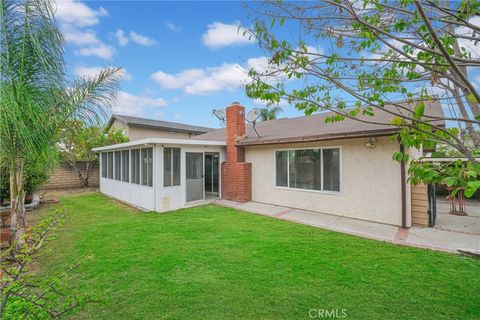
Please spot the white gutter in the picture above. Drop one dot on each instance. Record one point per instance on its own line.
(430, 159)
(149, 141)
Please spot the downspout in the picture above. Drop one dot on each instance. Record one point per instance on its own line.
(404, 191)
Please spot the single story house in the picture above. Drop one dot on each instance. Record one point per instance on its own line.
(136, 128)
(344, 169)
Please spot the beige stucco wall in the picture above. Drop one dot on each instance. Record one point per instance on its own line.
(370, 182)
(137, 133)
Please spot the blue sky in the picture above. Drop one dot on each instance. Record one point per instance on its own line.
(181, 59)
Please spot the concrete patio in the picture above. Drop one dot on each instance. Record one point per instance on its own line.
(451, 240)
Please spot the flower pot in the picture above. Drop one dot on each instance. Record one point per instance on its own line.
(28, 198)
(5, 216)
(5, 237)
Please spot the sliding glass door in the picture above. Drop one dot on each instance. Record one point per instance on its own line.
(211, 172)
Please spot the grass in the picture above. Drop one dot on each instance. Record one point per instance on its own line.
(211, 262)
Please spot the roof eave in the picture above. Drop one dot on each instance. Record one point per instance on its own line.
(323, 137)
(162, 141)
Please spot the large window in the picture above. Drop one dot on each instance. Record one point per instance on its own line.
(118, 165)
(147, 167)
(311, 169)
(171, 167)
(110, 165)
(104, 165)
(136, 166)
(125, 165)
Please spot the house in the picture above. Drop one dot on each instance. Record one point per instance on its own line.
(343, 169)
(136, 128)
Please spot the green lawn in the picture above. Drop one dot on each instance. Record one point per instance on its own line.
(211, 262)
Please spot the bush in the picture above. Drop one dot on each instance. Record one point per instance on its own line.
(36, 172)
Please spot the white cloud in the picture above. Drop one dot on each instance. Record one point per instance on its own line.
(122, 39)
(476, 82)
(221, 35)
(178, 80)
(134, 105)
(471, 46)
(204, 81)
(141, 39)
(92, 71)
(102, 51)
(271, 73)
(227, 76)
(73, 17)
(314, 50)
(172, 27)
(79, 37)
(78, 13)
(283, 103)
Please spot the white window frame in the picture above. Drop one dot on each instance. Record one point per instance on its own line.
(171, 167)
(104, 164)
(340, 159)
(141, 167)
(122, 175)
(115, 153)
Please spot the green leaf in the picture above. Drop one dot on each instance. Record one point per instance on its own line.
(449, 181)
(397, 121)
(471, 98)
(472, 187)
(419, 110)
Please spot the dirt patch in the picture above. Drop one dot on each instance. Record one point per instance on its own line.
(53, 196)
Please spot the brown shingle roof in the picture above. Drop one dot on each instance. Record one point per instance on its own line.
(314, 127)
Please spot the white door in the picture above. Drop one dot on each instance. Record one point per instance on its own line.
(194, 173)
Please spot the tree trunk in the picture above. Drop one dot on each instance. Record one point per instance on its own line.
(88, 169)
(18, 219)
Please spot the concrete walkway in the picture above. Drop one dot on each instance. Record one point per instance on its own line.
(418, 237)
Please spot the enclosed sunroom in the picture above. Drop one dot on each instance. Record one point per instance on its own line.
(162, 174)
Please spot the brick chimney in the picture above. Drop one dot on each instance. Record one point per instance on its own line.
(236, 173)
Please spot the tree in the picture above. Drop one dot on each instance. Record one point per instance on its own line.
(380, 53)
(76, 146)
(270, 113)
(35, 97)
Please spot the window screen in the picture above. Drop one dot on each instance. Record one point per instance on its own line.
(125, 165)
(110, 165)
(331, 169)
(118, 165)
(147, 167)
(104, 164)
(281, 168)
(304, 169)
(171, 167)
(136, 166)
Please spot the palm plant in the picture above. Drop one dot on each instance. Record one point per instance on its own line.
(35, 97)
(270, 113)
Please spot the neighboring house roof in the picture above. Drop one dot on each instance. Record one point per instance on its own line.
(159, 124)
(314, 128)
